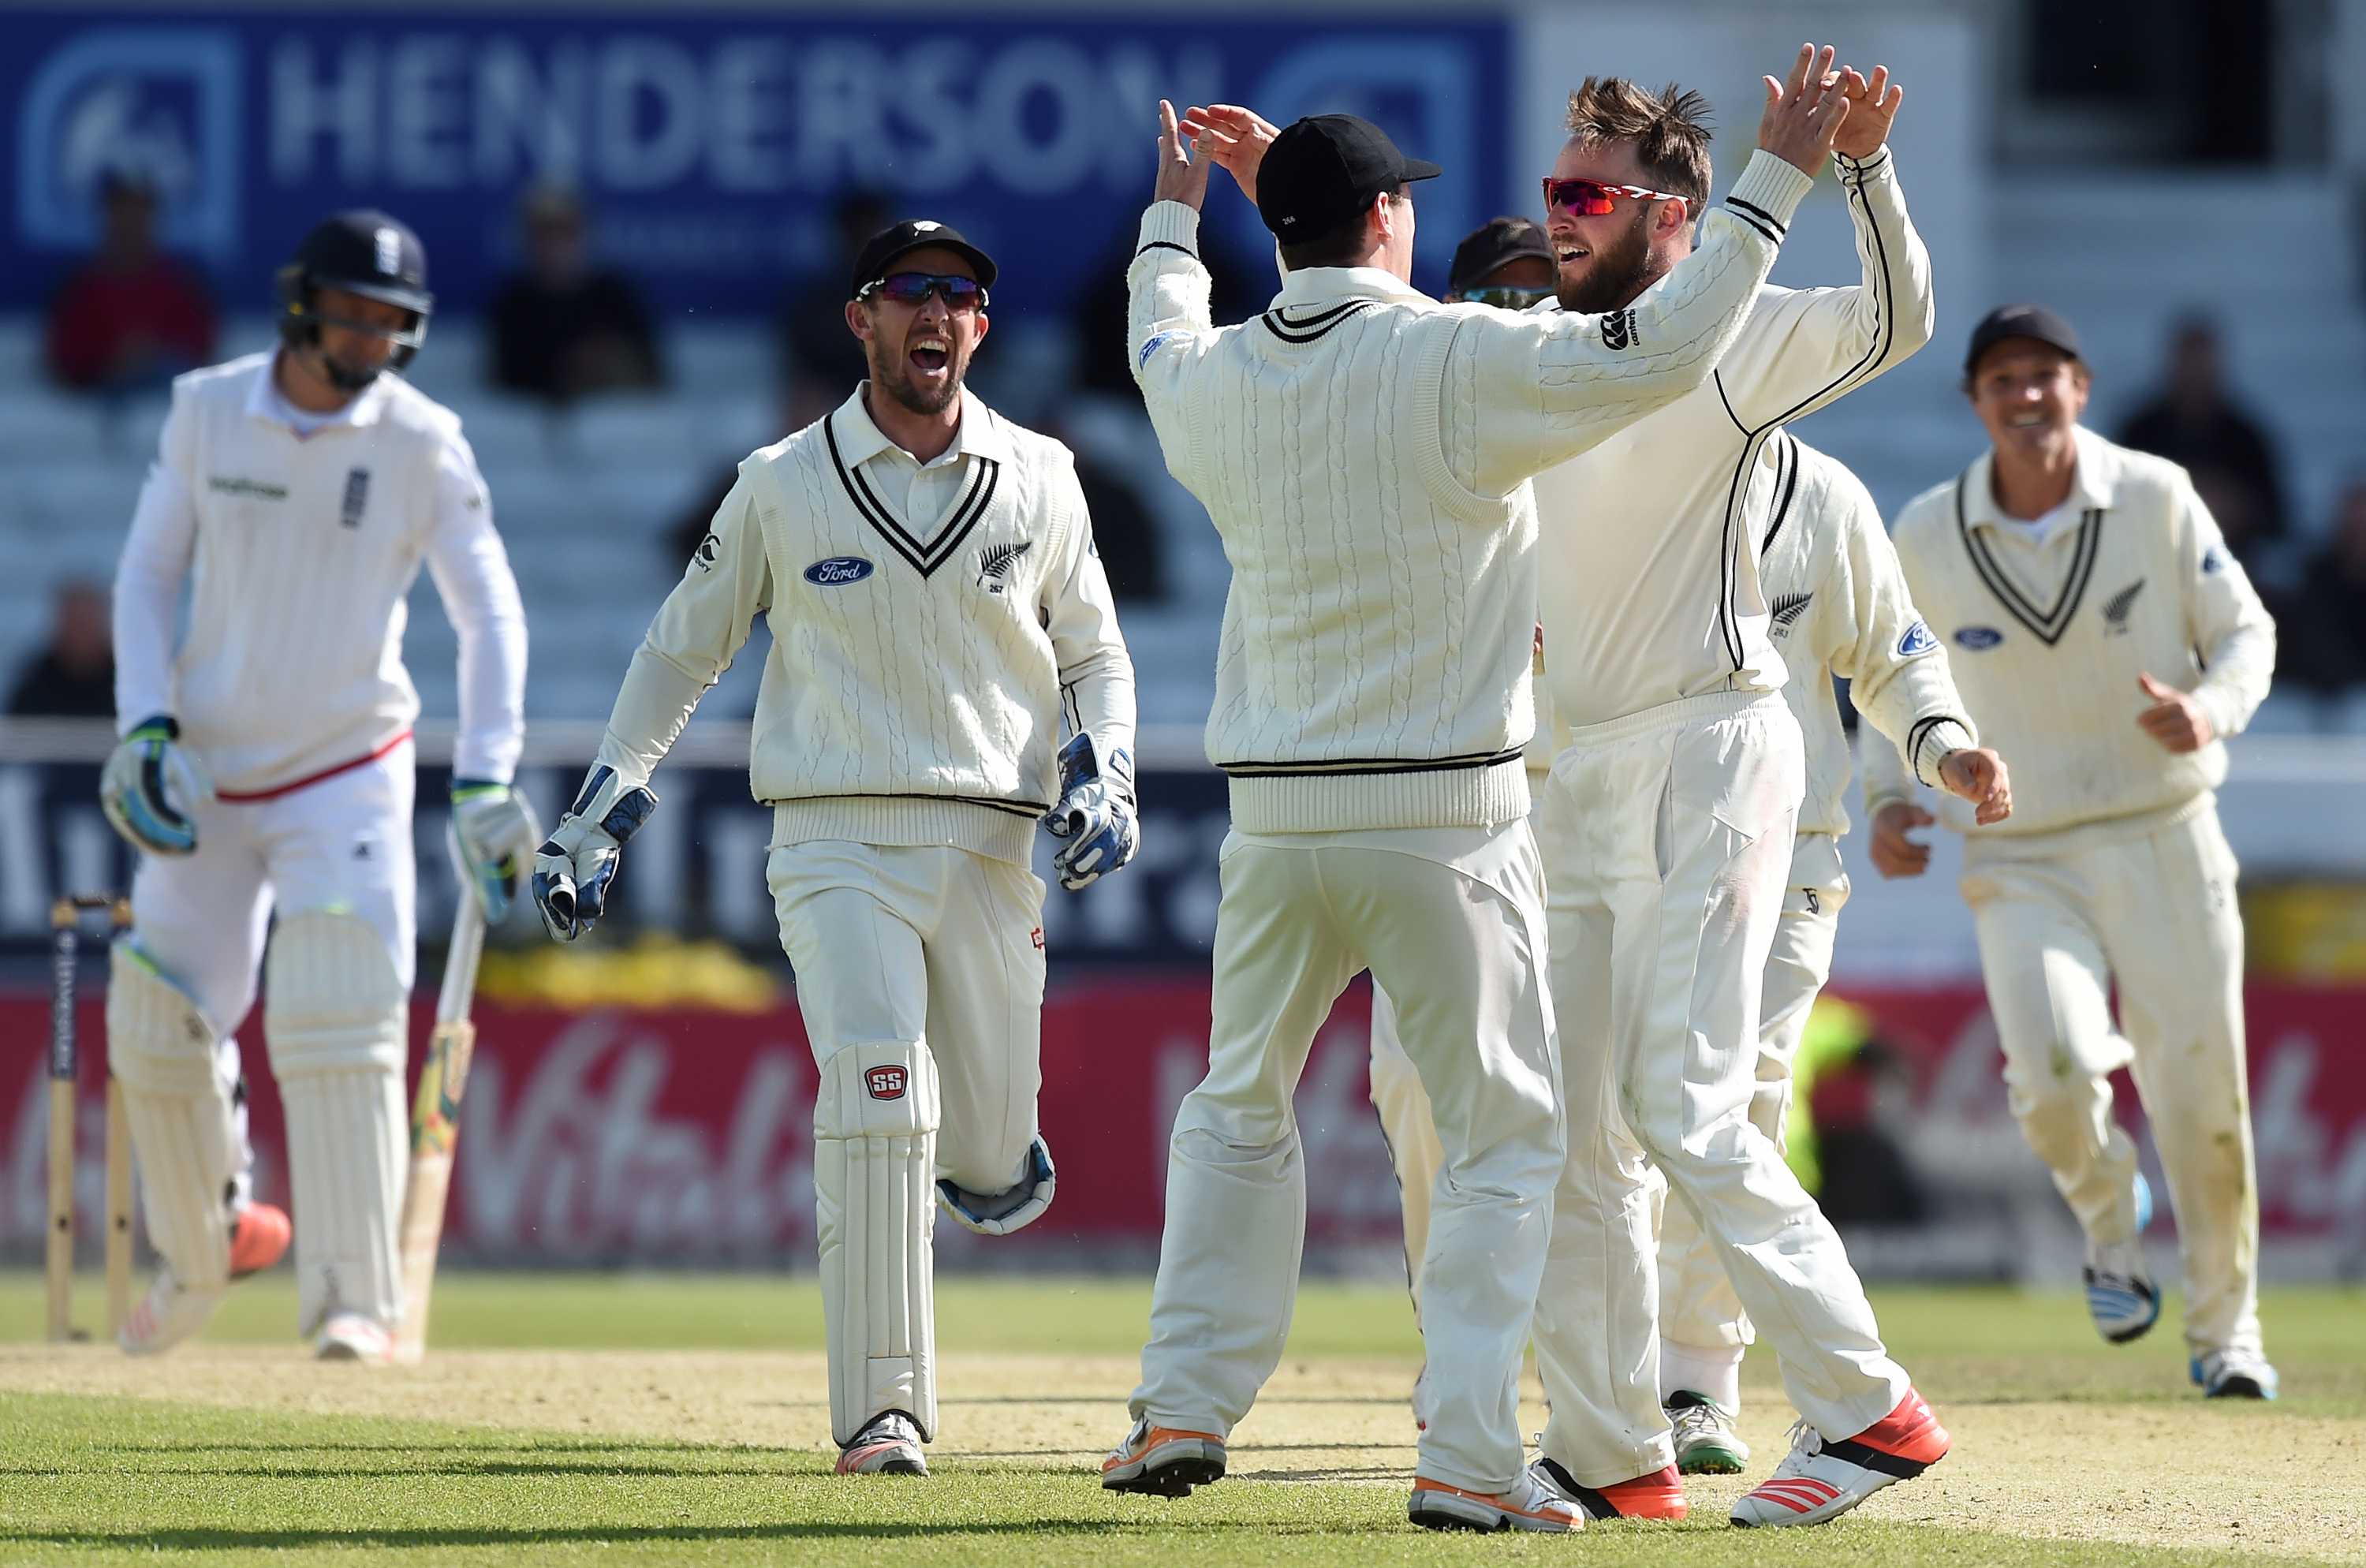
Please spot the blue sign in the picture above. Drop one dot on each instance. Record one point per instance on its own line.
(710, 147)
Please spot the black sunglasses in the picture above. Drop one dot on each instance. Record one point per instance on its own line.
(914, 288)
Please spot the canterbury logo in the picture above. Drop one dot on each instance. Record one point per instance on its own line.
(1618, 329)
(2116, 610)
(995, 561)
(1789, 607)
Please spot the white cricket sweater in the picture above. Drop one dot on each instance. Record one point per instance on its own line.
(1363, 451)
(920, 667)
(2046, 639)
(1649, 552)
(300, 551)
(1839, 606)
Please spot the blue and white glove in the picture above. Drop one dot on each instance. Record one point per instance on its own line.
(493, 833)
(150, 785)
(1096, 814)
(576, 865)
(1014, 1208)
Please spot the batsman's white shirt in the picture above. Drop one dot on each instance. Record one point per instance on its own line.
(299, 547)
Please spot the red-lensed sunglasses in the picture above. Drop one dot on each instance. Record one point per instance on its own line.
(1592, 198)
(914, 288)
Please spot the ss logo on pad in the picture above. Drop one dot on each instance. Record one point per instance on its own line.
(885, 1083)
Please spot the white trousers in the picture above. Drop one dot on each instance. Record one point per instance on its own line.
(1677, 826)
(1450, 921)
(2154, 909)
(1698, 1307)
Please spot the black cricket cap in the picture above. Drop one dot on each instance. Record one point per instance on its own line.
(1489, 246)
(902, 239)
(1324, 169)
(2034, 321)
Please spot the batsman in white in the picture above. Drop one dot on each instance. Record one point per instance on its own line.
(266, 767)
(1674, 806)
(2110, 641)
(937, 609)
(1363, 451)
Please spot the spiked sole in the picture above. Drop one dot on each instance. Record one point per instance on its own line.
(1176, 1478)
(1709, 1459)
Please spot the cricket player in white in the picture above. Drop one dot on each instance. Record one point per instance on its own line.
(267, 767)
(1675, 803)
(2109, 642)
(937, 608)
(1364, 452)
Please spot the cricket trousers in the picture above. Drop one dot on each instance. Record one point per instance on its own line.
(1676, 828)
(2149, 902)
(1450, 923)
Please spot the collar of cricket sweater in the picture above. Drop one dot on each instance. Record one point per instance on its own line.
(2092, 483)
(1322, 284)
(979, 435)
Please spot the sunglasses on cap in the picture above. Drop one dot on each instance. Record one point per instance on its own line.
(1592, 198)
(1504, 298)
(914, 288)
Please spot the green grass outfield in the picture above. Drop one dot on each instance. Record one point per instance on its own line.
(539, 1432)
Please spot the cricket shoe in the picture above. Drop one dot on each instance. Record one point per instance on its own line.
(889, 1444)
(351, 1336)
(1528, 1505)
(2121, 1295)
(1659, 1496)
(167, 1315)
(1820, 1480)
(258, 1239)
(1165, 1461)
(2234, 1374)
(1707, 1442)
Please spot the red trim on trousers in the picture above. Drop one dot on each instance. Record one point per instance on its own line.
(248, 797)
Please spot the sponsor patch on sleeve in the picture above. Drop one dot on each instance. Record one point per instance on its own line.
(2213, 560)
(1152, 347)
(1918, 639)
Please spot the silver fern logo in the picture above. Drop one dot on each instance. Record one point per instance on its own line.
(2115, 610)
(1787, 608)
(995, 561)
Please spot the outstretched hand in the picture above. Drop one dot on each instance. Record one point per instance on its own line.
(1806, 113)
(1872, 110)
(1182, 177)
(1236, 138)
(1978, 774)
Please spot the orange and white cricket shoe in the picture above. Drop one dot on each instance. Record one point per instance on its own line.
(1166, 1461)
(1658, 1495)
(1820, 1480)
(350, 1337)
(258, 1239)
(167, 1315)
(889, 1444)
(1528, 1505)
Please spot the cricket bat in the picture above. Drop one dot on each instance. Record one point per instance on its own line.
(436, 1127)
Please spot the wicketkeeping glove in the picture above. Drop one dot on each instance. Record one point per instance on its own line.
(493, 832)
(574, 868)
(151, 785)
(1096, 814)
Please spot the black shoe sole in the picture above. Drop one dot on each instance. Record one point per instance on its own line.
(1174, 1479)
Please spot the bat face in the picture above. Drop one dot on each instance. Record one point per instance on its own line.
(435, 1115)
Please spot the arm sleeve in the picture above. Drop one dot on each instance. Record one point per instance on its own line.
(1096, 671)
(1897, 670)
(1811, 345)
(2231, 631)
(1170, 327)
(472, 577)
(698, 629)
(148, 577)
(1520, 394)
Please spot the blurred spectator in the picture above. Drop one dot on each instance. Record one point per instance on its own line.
(563, 328)
(2321, 627)
(820, 360)
(74, 677)
(1125, 531)
(2195, 420)
(130, 316)
(1859, 1104)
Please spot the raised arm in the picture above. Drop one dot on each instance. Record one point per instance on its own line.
(1168, 323)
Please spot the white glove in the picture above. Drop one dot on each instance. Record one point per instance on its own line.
(1096, 814)
(150, 786)
(493, 832)
(575, 865)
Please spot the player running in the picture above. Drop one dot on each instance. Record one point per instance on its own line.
(937, 608)
(266, 767)
(2106, 635)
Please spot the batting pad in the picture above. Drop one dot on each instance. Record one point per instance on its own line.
(162, 1050)
(334, 1016)
(875, 1199)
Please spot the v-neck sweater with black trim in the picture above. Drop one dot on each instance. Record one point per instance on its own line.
(2046, 639)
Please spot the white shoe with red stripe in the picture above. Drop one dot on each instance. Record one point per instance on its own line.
(889, 1444)
(1821, 1479)
(167, 1315)
(1528, 1505)
(350, 1337)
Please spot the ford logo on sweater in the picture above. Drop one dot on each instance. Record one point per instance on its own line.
(837, 570)
(1979, 639)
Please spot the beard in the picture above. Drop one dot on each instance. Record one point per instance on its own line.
(893, 378)
(345, 377)
(1618, 275)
